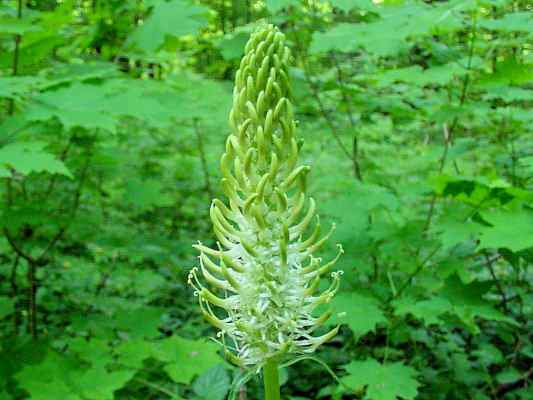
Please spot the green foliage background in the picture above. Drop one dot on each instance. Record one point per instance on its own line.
(416, 117)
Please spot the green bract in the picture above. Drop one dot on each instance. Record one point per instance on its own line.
(263, 264)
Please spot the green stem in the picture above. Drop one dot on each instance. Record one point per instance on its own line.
(271, 380)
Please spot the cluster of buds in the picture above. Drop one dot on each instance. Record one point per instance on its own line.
(263, 268)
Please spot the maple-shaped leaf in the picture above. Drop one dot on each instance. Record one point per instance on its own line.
(29, 157)
(389, 381)
(168, 19)
(425, 310)
(468, 302)
(186, 358)
(511, 229)
(361, 313)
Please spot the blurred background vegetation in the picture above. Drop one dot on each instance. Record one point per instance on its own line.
(416, 119)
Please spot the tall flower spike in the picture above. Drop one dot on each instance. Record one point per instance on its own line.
(264, 273)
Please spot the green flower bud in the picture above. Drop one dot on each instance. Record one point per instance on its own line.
(264, 264)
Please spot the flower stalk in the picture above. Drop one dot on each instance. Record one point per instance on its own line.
(271, 380)
(263, 274)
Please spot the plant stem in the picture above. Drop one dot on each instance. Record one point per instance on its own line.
(271, 380)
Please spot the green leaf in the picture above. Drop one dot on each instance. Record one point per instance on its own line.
(100, 384)
(511, 229)
(513, 22)
(468, 302)
(6, 306)
(452, 231)
(95, 351)
(508, 72)
(174, 18)
(425, 310)
(128, 321)
(77, 105)
(132, 353)
(51, 379)
(391, 34)
(347, 5)
(416, 75)
(508, 376)
(232, 44)
(277, 5)
(361, 313)
(13, 86)
(186, 358)
(29, 157)
(382, 381)
(146, 195)
(508, 94)
(213, 384)
(15, 26)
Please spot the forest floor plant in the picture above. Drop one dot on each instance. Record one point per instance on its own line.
(263, 265)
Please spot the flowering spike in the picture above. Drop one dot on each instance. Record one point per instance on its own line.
(269, 295)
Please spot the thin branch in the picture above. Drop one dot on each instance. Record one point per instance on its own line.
(32, 300)
(16, 248)
(325, 114)
(14, 294)
(510, 386)
(62, 157)
(203, 158)
(11, 102)
(16, 56)
(489, 263)
(442, 162)
(355, 142)
(74, 209)
(158, 388)
(449, 133)
(413, 274)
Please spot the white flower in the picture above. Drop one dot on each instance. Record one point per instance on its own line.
(263, 266)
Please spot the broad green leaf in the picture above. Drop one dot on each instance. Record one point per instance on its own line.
(232, 45)
(186, 358)
(389, 381)
(416, 75)
(488, 354)
(101, 106)
(213, 384)
(174, 18)
(132, 353)
(512, 229)
(77, 105)
(100, 384)
(13, 86)
(509, 375)
(509, 94)
(361, 313)
(507, 72)
(6, 306)
(277, 5)
(50, 379)
(468, 302)
(425, 310)
(518, 21)
(391, 34)
(13, 25)
(29, 157)
(95, 351)
(347, 5)
(127, 320)
(453, 232)
(146, 195)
